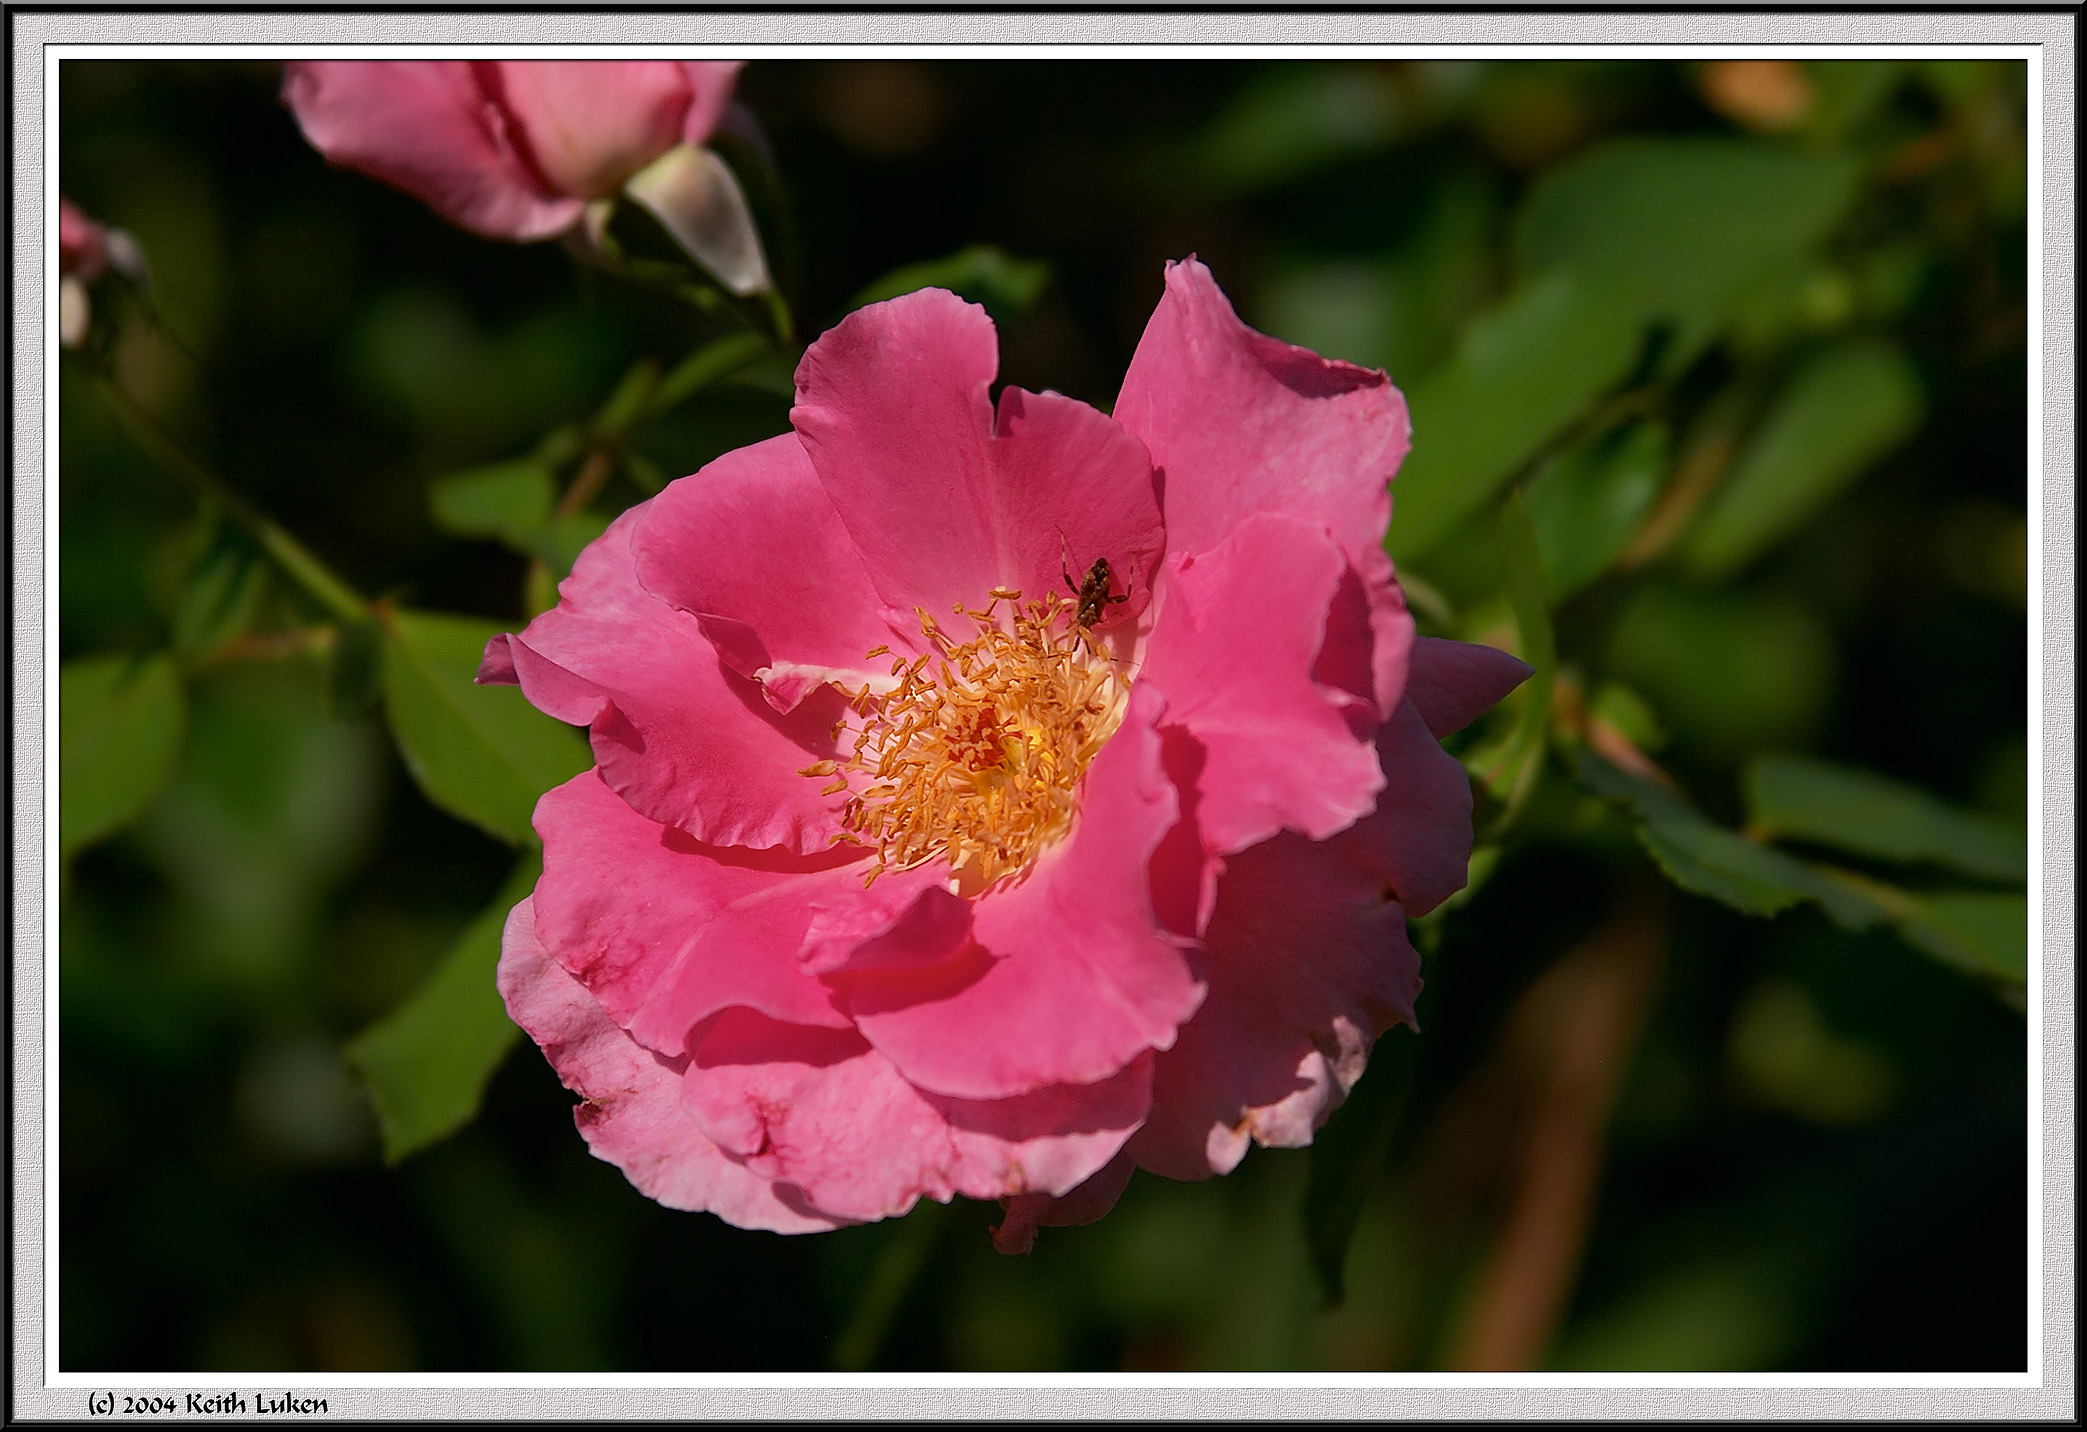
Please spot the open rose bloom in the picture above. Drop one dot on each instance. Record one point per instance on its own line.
(524, 149)
(926, 855)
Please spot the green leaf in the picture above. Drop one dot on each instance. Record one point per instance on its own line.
(1706, 860)
(504, 500)
(1837, 416)
(1800, 798)
(1586, 504)
(1511, 772)
(120, 721)
(1983, 932)
(482, 753)
(427, 1062)
(1007, 286)
(1680, 225)
(1293, 120)
(1521, 375)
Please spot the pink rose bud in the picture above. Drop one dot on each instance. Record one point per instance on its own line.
(83, 245)
(993, 797)
(517, 149)
(86, 250)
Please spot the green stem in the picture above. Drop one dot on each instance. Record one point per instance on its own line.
(292, 556)
(709, 364)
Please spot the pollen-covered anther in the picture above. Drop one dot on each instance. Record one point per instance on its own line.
(975, 757)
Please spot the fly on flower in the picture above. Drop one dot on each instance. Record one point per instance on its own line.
(863, 903)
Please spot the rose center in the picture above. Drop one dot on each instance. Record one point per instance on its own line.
(975, 757)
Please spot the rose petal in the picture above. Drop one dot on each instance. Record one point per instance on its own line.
(426, 127)
(1308, 962)
(83, 245)
(752, 546)
(665, 931)
(1085, 978)
(947, 499)
(710, 90)
(907, 919)
(1026, 1212)
(1455, 682)
(684, 741)
(1240, 423)
(587, 125)
(821, 1112)
(1419, 837)
(633, 1116)
(1234, 648)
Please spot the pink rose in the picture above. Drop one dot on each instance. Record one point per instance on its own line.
(518, 149)
(87, 250)
(83, 245)
(906, 869)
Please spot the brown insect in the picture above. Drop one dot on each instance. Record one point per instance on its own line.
(1091, 597)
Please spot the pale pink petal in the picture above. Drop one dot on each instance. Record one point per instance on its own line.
(710, 90)
(751, 545)
(666, 931)
(1419, 837)
(1308, 962)
(1234, 649)
(684, 741)
(1026, 1212)
(1085, 978)
(947, 498)
(1455, 682)
(824, 1115)
(633, 1116)
(425, 126)
(1239, 423)
(587, 125)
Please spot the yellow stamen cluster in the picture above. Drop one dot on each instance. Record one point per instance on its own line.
(975, 756)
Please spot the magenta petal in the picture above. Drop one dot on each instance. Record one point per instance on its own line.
(826, 1117)
(752, 546)
(1234, 649)
(1070, 486)
(907, 919)
(1027, 1212)
(633, 1116)
(664, 931)
(1454, 682)
(1240, 423)
(1308, 963)
(1419, 837)
(1085, 978)
(684, 741)
(947, 499)
(426, 127)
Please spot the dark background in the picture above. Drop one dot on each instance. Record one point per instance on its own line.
(222, 1201)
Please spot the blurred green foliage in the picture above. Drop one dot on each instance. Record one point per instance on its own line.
(1719, 391)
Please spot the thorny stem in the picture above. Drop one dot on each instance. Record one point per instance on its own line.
(295, 559)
